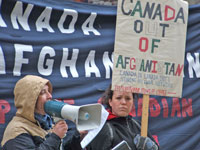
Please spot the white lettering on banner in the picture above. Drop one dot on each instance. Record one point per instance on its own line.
(21, 17)
(193, 65)
(71, 28)
(43, 20)
(69, 63)
(2, 23)
(17, 14)
(45, 65)
(47, 70)
(2, 62)
(19, 59)
(90, 66)
(90, 22)
(47, 58)
(108, 64)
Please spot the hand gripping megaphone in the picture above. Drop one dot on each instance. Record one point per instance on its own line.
(85, 117)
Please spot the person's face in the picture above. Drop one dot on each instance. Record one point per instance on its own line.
(121, 103)
(44, 96)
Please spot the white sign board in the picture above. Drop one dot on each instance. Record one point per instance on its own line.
(149, 50)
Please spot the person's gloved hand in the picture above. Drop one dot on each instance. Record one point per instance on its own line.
(144, 143)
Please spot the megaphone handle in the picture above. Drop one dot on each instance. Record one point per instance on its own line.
(56, 119)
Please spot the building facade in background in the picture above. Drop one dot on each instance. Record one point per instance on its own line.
(114, 2)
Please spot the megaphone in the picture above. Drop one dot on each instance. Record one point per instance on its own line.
(85, 117)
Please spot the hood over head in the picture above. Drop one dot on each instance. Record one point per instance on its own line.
(26, 93)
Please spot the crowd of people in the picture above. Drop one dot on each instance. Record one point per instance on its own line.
(32, 128)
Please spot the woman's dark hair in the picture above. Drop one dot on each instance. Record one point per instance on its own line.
(108, 95)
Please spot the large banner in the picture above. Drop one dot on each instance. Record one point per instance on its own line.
(146, 49)
(72, 45)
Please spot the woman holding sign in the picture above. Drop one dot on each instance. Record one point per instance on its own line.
(120, 127)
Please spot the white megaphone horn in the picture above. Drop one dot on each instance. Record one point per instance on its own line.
(85, 117)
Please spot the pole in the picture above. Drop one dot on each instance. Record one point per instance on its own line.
(145, 115)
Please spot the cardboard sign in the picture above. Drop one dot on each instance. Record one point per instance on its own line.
(150, 47)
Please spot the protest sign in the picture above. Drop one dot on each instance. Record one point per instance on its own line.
(149, 49)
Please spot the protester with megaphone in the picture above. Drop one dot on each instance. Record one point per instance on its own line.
(31, 128)
(121, 131)
(84, 118)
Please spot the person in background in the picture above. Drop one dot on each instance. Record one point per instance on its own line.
(120, 125)
(31, 128)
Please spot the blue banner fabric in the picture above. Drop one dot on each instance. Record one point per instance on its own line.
(72, 45)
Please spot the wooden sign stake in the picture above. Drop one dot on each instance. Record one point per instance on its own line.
(145, 115)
